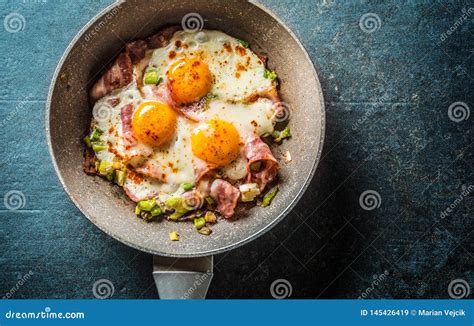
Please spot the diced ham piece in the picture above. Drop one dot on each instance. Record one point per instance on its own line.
(226, 196)
(152, 170)
(136, 197)
(162, 38)
(202, 168)
(119, 75)
(89, 162)
(256, 150)
(126, 115)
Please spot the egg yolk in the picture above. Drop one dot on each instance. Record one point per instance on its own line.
(216, 142)
(189, 80)
(154, 123)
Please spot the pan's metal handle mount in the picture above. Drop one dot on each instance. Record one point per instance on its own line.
(182, 278)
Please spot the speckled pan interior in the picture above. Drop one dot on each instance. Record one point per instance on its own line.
(68, 115)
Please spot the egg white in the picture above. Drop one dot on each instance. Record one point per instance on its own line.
(176, 158)
(213, 47)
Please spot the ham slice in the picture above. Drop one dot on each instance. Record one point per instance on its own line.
(256, 150)
(202, 168)
(162, 38)
(226, 196)
(152, 170)
(119, 75)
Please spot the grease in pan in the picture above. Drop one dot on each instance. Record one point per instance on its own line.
(178, 122)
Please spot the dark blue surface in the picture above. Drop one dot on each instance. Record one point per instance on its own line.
(387, 96)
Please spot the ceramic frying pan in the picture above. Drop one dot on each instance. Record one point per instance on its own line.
(68, 115)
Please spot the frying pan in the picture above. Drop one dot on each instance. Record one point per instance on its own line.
(68, 115)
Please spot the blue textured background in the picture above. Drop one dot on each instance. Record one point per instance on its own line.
(399, 80)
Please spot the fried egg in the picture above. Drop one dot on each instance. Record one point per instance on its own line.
(191, 67)
(209, 62)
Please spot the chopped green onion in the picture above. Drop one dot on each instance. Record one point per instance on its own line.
(151, 77)
(187, 186)
(256, 166)
(160, 80)
(175, 216)
(210, 217)
(98, 146)
(87, 140)
(245, 44)
(176, 203)
(120, 177)
(199, 222)
(210, 200)
(110, 176)
(270, 75)
(174, 236)
(96, 134)
(137, 210)
(205, 230)
(146, 216)
(267, 199)
(280, 135)
(156, 211)
(147, 205)
(173, 202)
(105, 168)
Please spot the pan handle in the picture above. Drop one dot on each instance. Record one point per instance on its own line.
(182, 278)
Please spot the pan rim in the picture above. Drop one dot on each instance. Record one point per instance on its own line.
(211, 252)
